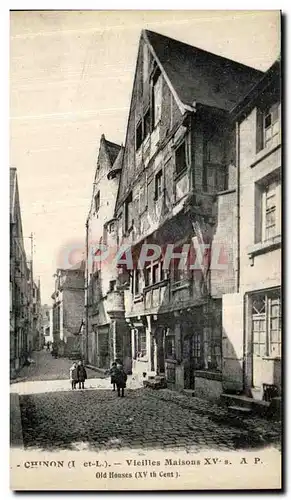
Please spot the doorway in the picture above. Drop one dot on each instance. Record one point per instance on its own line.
(160, 350)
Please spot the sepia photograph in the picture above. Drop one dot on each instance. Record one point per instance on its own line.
(145, 250)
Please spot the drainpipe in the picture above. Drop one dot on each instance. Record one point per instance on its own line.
(238, 251)
(87, 293)
(237, 148)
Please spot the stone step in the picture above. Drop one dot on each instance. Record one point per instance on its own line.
(239, 409)
(242, 401)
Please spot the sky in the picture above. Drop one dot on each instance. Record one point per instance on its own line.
(71, 77)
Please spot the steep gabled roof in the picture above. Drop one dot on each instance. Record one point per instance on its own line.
(112, 150)
(13, 185)
(201, 77)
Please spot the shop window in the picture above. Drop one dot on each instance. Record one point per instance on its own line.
(266, 324)
(141, 343)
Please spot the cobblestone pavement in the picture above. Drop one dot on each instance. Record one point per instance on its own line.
(98, 419)
(55, 417)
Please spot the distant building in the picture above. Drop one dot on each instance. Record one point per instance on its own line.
(68, 308)
(46, 312)
(106, 331)
(20, 285)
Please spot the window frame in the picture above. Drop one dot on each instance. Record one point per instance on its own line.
(97, 201)
(270, 298)
(267, 189)
(159, 184)
(181, 172)
(128, 224)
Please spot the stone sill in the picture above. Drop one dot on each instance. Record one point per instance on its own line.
(264, 247)
(271, 358)
(264, 153)
(208, 374)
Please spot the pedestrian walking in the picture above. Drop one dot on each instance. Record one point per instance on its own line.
(121, 379)
(82, 374)
(113, 371)
(74, 375)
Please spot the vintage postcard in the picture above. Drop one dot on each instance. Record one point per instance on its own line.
(145, 250)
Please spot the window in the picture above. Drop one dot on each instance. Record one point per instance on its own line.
(268, 209)
(137, 282)
(156, 98)
(145, 69)
(268, 125)
(111, 227)
(97, 201)
(156, 273)
(180, 159)
(146, 124)
(128, 213)
(158, 185)
(266, 324)
(138, 136)
(141, 343)
(112, 284)
(271, 124)
(147, 276)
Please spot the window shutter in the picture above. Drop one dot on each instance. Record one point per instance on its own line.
(260, 130)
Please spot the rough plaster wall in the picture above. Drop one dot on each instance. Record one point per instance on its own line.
(73, 301)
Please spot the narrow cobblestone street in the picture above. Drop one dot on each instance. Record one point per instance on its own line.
(54, 417)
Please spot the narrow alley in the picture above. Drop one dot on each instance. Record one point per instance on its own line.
(55, 417)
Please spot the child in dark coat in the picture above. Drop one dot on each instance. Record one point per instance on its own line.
(121, 379)
(82, 374)
(113, 371)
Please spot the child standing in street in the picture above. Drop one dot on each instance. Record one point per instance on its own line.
(113, 371)
(121, 379)
(74, 375)
(82, 374)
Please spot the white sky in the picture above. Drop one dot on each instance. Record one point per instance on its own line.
(71, 76)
